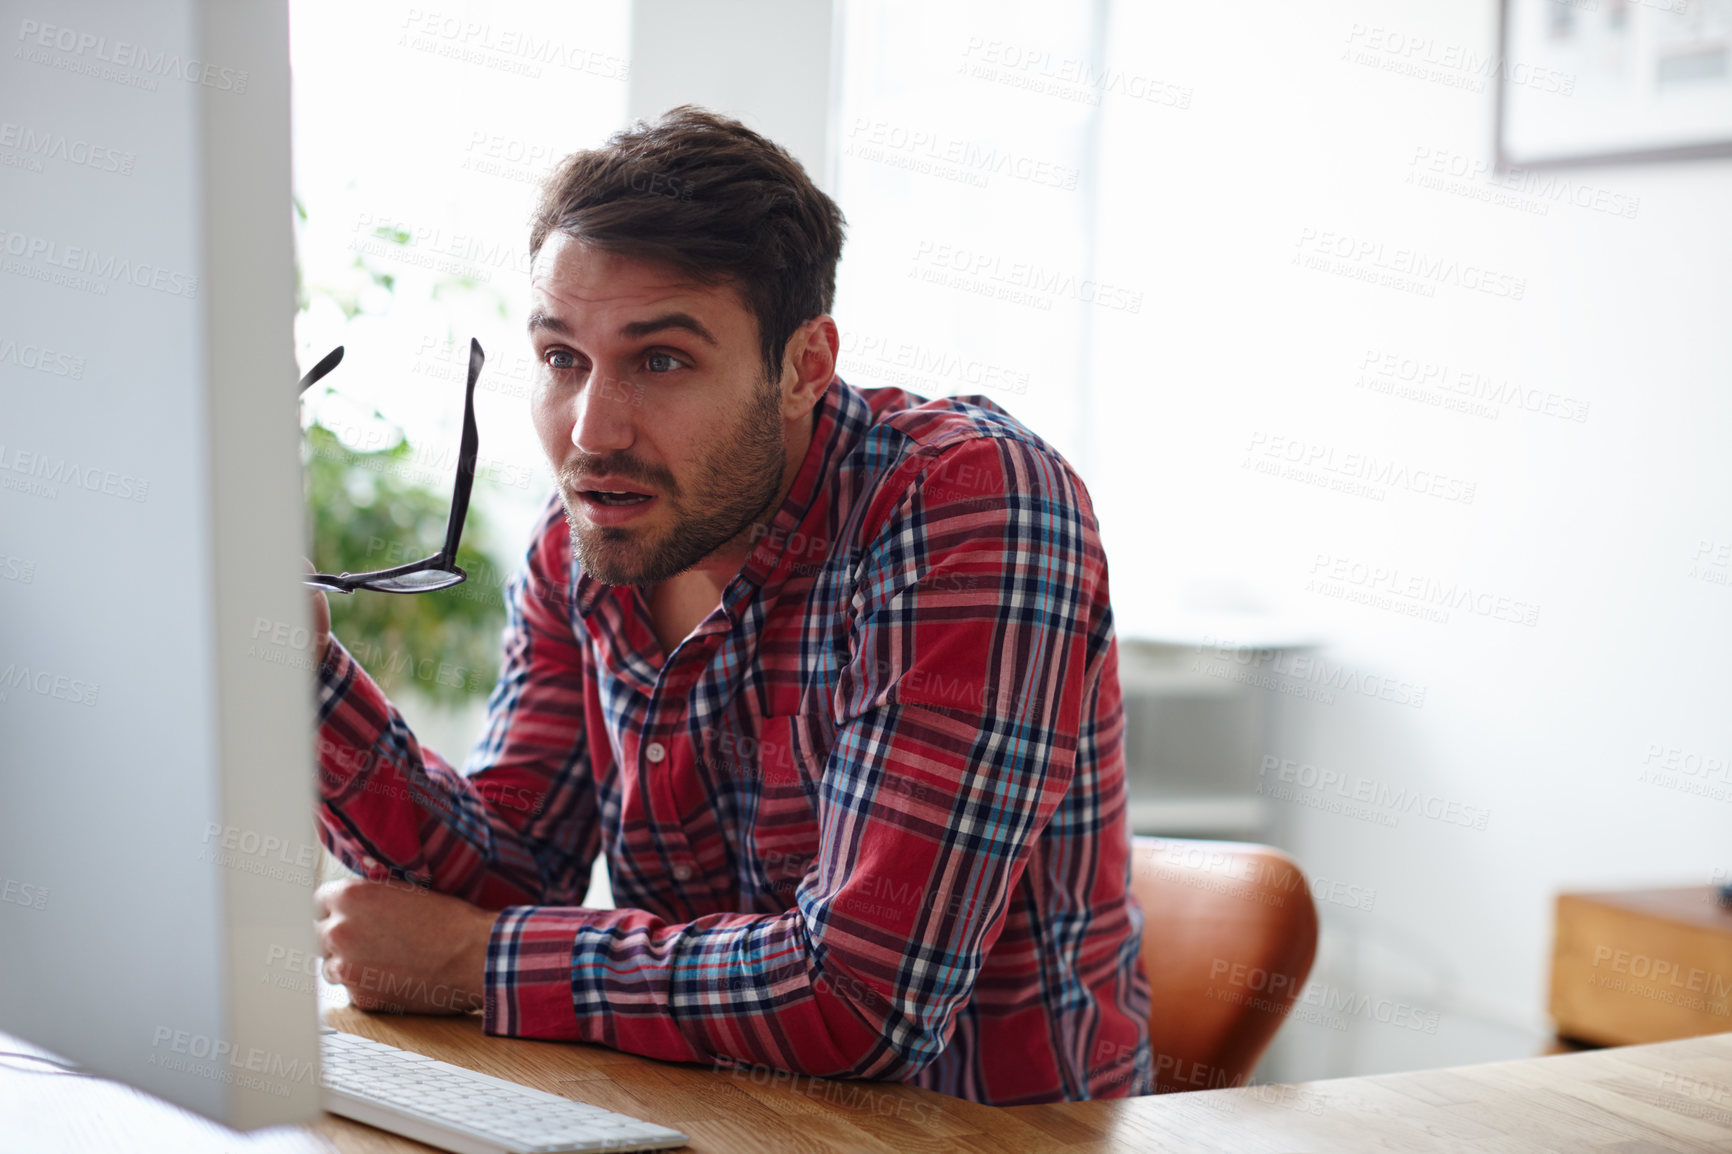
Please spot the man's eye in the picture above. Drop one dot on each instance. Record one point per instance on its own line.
(662, 362)
(560, 359)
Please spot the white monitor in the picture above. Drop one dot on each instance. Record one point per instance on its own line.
(157, 845)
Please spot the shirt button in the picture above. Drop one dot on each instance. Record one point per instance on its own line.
(370, 863)
(655, 751)
(683, 873)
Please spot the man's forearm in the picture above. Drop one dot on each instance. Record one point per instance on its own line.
(390, 807)
(738, 988)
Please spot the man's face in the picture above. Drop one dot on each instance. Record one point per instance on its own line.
(652, 386)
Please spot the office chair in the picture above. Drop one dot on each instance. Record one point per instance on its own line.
(1229, 934)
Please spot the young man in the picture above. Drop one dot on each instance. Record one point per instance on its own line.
(827, 673)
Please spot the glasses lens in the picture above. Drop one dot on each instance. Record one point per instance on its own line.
(422, 581)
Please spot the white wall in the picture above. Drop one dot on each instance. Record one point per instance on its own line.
(1597, 523)
(765, 62)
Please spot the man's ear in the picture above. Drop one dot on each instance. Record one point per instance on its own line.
(808, 365)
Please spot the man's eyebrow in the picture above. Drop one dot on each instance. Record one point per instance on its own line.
(684, 321)
(541, 320)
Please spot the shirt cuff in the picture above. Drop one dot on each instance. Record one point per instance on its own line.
(529, 968)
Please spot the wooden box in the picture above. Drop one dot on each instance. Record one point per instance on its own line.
(1643, 966)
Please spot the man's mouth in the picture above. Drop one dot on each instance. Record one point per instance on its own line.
(605, 497)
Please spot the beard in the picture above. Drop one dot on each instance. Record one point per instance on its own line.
(734, 484)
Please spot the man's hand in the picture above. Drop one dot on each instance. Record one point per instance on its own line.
(403, 949)
(321, 621)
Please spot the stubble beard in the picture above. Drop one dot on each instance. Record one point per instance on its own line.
(742, 475)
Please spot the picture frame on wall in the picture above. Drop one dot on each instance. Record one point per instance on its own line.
(1611, 81)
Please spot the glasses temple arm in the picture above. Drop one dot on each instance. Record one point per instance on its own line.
(466, 453)
(318, 371)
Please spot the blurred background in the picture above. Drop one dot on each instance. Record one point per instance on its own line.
(1411, 468)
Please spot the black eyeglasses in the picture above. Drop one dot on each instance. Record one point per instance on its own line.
(439, 571)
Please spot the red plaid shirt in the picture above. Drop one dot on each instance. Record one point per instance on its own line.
(867, 821)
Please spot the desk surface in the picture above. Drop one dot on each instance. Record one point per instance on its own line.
(1673, 1096)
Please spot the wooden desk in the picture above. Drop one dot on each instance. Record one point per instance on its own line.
(1657, 1099)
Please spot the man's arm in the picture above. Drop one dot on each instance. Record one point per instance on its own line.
(959, 717)
(520, 824)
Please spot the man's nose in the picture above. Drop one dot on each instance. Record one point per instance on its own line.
(606, 415)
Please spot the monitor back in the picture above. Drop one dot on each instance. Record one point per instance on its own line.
(157, 849)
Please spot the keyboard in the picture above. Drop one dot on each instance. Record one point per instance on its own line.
(457, 1109)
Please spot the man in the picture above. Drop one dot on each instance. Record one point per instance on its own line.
(827, 673)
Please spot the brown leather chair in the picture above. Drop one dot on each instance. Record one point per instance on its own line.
(1229, 934)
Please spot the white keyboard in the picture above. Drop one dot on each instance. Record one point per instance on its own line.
(457, 1109)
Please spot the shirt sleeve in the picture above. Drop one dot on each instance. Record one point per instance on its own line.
(519, 825)
(958, 727)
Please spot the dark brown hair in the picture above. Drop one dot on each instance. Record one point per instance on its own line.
(710, 197)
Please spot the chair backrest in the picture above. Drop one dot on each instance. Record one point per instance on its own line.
(1229, 934)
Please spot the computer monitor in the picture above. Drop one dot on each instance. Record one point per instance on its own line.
(157, 846)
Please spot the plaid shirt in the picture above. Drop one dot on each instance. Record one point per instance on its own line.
(868, 820)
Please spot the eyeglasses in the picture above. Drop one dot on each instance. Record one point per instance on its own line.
(439, 571)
